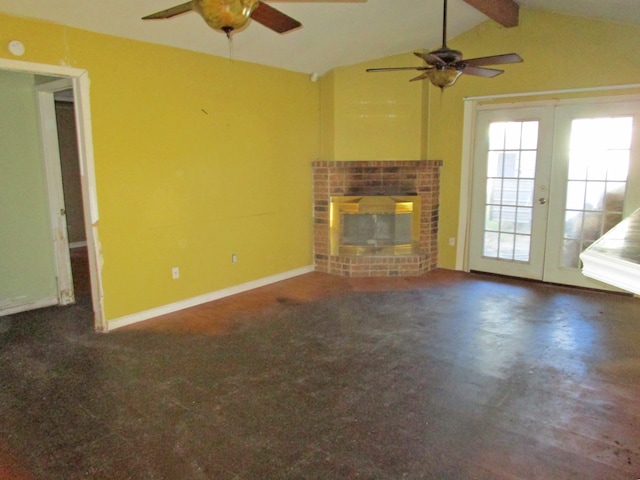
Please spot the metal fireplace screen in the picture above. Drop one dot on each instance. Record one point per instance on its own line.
(375, 225)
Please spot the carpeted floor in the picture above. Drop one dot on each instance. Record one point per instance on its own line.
(454, 376)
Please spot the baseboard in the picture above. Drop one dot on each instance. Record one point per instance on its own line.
(209, 297)
(10, 309)
(78, 244)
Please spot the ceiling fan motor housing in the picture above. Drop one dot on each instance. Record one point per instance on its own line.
(225, 15)
(447, 55)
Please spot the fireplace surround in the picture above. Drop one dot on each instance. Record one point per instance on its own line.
(390, 212)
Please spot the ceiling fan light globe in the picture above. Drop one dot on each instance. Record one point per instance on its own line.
(225, 15)
(443, 77)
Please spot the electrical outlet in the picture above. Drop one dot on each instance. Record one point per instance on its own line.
(234, 258)
(452, 241)
(175, 273)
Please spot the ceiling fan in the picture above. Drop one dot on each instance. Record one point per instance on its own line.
(229, 15)
(445, 65)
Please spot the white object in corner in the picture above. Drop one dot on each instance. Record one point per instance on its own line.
(615, 257)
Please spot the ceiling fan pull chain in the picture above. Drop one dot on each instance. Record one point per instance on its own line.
(230, 40)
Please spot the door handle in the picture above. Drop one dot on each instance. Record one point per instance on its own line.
(542, 200)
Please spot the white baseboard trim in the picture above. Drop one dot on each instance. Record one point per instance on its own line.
(10, 309)
(78, 244)
(208, 297)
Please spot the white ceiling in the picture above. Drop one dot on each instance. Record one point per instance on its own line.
(333, 34)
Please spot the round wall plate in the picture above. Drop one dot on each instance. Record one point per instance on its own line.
(16, 47)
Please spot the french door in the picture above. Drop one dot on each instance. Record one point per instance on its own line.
(548, 181)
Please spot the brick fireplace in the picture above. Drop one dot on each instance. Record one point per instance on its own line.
(396, 180)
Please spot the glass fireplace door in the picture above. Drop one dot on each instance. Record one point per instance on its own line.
(375, 225)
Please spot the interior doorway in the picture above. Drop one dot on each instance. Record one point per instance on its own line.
(72, 189)
(48, 80)
(549, 180)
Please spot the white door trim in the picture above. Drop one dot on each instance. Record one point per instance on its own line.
(466, 179)
(55, 191)
(471, 106)
(79, 80)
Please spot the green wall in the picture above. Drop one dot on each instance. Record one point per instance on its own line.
(27, 273)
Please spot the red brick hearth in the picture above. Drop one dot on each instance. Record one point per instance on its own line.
(369, 178)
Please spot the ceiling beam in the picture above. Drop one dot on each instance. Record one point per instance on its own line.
(505, 12)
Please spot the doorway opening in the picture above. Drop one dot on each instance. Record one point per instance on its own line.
(40, 86)
(72, 190)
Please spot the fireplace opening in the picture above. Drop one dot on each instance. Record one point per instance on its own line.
(375, 225)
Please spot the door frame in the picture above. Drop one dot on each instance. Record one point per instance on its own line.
(471, 106)
(534, 267)
(78, 80)
(57, 212)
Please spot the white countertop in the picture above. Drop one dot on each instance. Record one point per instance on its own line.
(615, 257)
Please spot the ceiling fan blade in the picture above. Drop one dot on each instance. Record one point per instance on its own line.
(430, 58)
(274, 19)
(394, 69)
(170, 12)
(494, 60)
(420, 77)
(482, 72)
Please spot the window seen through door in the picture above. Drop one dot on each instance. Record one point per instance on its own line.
(598, 168)
(510, 186)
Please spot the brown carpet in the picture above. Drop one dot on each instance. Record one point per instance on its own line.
(449, 376)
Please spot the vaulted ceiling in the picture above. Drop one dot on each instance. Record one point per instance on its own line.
(333, 34)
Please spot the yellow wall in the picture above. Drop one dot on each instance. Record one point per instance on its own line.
(372, 116)
(327, 117)
(196, 157)
(560, 52)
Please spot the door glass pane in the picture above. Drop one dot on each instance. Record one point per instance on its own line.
(528, 164)
(505, 249)
(573, 224)
(598, 167)
(523, 221)
(575, 195)
(529, 136)
(508, 219)
(513, 135)
(570, 252)
(618, 161)
(578, 171)
(491, 244)
(522, 247)
(525, 193)
(509, 200)
(594, 196)
(509, 192)
(494, 166)
(496, 137)
(615, 196)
